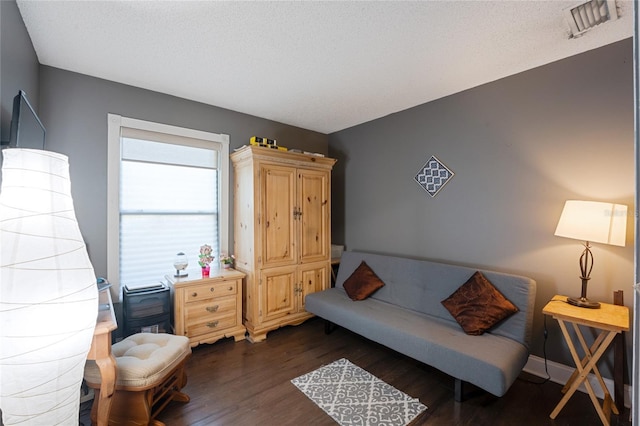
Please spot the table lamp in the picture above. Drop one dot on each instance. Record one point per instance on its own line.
(591, 222)
(48, 292)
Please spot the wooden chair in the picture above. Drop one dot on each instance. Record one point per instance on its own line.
(150, 374)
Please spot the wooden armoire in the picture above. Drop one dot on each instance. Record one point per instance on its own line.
(282, 233)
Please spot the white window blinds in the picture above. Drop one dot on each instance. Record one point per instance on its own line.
(168, 201)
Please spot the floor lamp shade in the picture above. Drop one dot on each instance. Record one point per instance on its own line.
(48, 292)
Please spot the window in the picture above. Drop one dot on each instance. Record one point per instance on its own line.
(168, 193)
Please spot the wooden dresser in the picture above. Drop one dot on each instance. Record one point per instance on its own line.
(208, 309)
(282, 233)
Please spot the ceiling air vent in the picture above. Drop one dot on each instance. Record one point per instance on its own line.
(586, 16)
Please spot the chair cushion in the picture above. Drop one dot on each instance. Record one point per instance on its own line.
(144, 359)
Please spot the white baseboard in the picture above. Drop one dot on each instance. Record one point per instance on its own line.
(560, 373)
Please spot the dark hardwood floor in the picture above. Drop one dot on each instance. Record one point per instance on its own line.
(249, 384)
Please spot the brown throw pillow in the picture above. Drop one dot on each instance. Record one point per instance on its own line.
(362, 283)
(477, 305)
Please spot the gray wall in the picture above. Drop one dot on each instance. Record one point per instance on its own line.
(18, 64)
(519, 147)
(74, 108)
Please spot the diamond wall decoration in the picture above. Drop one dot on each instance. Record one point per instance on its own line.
(433, 176)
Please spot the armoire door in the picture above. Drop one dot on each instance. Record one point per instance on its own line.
(277, 203)
(277, 293)
(312, 278)
(313, 215)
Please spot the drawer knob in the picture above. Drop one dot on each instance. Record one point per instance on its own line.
(212, 324)
(194, 294)
(230, 288)
(213, 308)
(211, 289)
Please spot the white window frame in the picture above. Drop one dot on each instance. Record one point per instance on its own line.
(114, 125)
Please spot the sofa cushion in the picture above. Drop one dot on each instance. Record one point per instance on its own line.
(477, 305)
(362, 283)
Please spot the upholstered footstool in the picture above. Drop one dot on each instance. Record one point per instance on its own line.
(150, 374)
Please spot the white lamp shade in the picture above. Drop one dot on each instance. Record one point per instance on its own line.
(594, 222)
(48, 292)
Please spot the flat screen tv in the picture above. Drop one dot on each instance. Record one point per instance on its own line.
(27, 131)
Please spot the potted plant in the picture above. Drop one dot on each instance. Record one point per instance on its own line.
(205, 258)
(227, 261)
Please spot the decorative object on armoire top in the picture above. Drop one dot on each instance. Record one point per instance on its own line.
(433, 176)
(49, 302)
(591, 222)
(266, 143)
(180, 263)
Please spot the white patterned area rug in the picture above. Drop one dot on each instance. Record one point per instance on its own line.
(352, 396)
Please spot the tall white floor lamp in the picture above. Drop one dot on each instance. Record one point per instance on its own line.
(48, 292)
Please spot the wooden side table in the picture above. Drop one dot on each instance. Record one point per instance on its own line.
(609, 320)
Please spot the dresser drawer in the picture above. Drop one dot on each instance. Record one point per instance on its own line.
(207, 291)
(210, 309)
(209, 325)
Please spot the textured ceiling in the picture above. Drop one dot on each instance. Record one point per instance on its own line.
(323, 66)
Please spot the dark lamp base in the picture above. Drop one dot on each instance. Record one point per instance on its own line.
(583, 302)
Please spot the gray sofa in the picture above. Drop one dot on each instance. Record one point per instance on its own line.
(407, 315)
